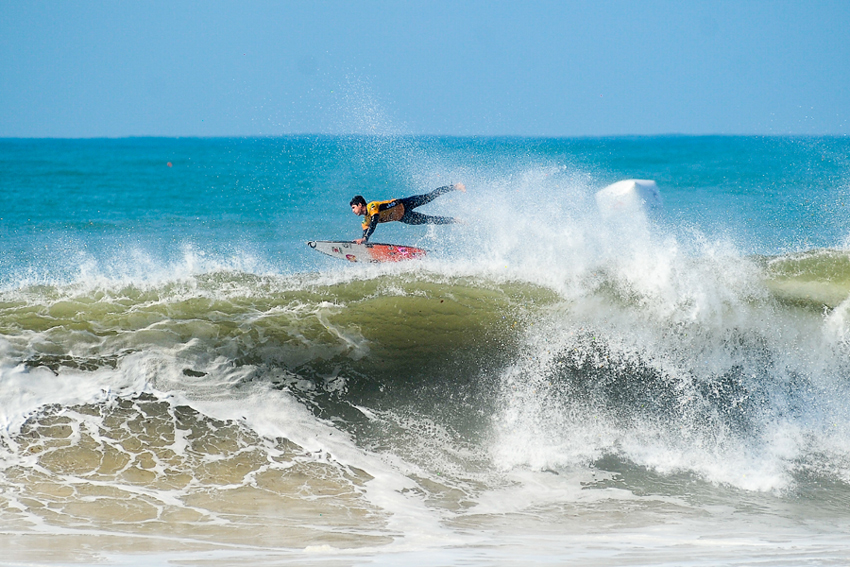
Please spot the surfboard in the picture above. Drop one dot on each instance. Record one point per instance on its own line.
(369, 252)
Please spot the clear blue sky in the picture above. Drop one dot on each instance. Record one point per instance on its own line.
(528, 68)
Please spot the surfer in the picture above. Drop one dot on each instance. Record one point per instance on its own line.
(399, 210)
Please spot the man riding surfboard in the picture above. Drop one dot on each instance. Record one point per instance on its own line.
(400, 210)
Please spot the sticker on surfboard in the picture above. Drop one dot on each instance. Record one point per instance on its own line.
(368, 252)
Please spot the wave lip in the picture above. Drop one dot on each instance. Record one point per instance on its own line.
(814, 278)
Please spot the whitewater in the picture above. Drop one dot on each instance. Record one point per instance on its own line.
(184, 381)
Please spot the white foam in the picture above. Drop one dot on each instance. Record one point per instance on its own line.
(629, 197)
(25, 390)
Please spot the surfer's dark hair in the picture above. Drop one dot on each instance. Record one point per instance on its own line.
(357, 200)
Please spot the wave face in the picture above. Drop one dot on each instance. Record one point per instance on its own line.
(211, 385)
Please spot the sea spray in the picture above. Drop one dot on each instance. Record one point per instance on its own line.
(179, 370)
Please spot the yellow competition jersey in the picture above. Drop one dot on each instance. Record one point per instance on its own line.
(386, 211)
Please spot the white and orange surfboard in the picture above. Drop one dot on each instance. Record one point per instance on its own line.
(368, 252)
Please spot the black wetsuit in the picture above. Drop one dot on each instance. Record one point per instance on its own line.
(402, 210)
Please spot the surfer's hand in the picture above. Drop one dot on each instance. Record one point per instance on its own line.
(359, 241)
(460, 187)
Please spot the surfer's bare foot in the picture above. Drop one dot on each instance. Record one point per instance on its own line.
(460, 187)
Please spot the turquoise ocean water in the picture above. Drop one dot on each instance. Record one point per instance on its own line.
(183, 379)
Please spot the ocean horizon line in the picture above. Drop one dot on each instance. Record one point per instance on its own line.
(429, 136)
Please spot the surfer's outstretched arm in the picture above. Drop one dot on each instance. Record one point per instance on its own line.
(367, 232)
